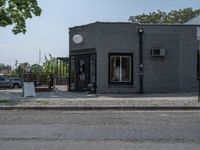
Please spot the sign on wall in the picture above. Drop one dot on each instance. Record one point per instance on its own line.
(77, 39)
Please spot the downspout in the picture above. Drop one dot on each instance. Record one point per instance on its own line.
(140, 32)
(69, 75)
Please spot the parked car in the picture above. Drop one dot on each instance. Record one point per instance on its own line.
(16, 83)
(5, 83)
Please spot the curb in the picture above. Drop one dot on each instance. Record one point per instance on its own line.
(101, 108)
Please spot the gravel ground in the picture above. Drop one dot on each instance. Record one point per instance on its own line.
(62, 98)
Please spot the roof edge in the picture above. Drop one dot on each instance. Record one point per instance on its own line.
(99, 22)
(142, 24)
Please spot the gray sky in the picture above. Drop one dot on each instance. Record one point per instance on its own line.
(49, 33)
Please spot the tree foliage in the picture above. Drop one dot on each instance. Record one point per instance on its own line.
(36, 68)
(16, 12)
(21, 69)
(1, 66)
(160, 17)
(51, 66)
(5, 68)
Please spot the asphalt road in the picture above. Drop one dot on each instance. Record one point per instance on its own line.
(112, 130)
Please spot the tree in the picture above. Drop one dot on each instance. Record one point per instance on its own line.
(16, 12)
(36, 68)
(51, 66)
(5, 69)
(1, 66)
(160, 17)
(20, 70)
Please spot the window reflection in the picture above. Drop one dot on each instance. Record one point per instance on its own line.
(120, 68)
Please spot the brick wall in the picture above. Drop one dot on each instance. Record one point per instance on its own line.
(176, 72)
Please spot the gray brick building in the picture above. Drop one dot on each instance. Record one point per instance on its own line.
(133, 58)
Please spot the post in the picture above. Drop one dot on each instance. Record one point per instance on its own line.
(63, 67)
(198, 39)
(199, 76)
(56, 68)
(60, 63)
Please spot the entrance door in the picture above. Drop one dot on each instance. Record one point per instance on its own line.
(83, 72)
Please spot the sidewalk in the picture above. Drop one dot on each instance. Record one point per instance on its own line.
(62, 99)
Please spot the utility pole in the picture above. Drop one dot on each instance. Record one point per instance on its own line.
(39, 56)
(16, 63)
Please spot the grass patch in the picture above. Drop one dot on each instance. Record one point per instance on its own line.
(45, 102)
(7, 102)
(42, 102)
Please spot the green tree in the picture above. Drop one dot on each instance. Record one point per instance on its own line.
(160, 17)
(16, 12)
(2, 66)
(50, 66)
(35, 68)
(20, 70)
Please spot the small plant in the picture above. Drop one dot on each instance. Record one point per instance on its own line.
(7, 102)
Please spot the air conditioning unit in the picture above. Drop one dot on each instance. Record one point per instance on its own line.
(158, 52)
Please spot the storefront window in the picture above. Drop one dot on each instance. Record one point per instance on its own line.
(92, 68)
(82, 72)
(120, 68)
(73, 73)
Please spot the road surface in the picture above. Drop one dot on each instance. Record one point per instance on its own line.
(97, 130)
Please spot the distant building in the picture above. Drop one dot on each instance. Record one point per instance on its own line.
(133, 58)
(5, 70)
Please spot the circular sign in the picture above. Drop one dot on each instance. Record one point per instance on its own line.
(77, 39)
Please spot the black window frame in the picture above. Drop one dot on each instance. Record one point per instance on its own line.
(109, 68)
(198, 65)
(75, 61)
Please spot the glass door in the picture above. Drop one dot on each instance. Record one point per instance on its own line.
(82, 72)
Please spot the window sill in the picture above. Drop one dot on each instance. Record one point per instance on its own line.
(120, 83)
(129, 85)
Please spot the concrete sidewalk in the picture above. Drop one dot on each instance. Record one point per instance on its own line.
(72, 100)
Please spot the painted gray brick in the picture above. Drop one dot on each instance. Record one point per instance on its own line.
(176, 72)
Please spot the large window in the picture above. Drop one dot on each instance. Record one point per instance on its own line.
(120, 68)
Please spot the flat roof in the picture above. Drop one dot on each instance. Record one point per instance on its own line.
(142, 24)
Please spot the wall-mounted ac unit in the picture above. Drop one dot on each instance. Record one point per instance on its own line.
(158, 52)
